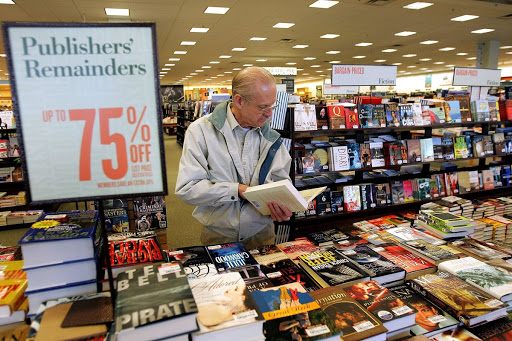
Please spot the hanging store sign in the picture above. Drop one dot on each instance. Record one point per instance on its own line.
(363, 75)
(87, 107)
(464, 76)
(340, 90)
(282, 71)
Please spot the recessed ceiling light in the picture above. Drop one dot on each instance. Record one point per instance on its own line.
(364, 44)
(206, 67)
(309, 58)
(332, 52)
(248, 64)
(300, 46)
(447, 49)
(174, 59)
(483, 30)
(166, 69)
(438, 63)
(323, 4)
(429, 42)
(224, 56)
(319, 71)
(389, 50)
(188, 43)
(379, 61)
(283, 25)
(199, 29)
(508, 52)
(261, 60)
(291, 63)
(411, 66)
(238, 49)
(396, 64)
(305, 74)
(471, 58)
(335, 61)
(7, 2)
(180, 52)
(199, 70)
(3, 55)
(228, 72)
(194, 73)
(188, 76)
(418, 5)
(409, 55)
(359, 57)
(258, 38)
(464, 17)
(300, 69)
(462, 54)
(501, 47)
(214, 62)
(170, 64)
(315, 65)
(425, 59)
(405, 33)
(216, 10)
(221, 75)
(163, 72)
(330, 36)
(237, 69)
(122, 12)
(402, 71)
(213, 77)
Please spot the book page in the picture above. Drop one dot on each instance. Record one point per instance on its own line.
(310, 194)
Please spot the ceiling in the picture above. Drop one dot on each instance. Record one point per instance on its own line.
(355, 21)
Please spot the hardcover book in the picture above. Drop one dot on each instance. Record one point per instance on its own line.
(366, 155)
(150, 213)
(355, 322)
(13, 295)
(413, 151)
(427, 150)
(295, 248)
(459, 298)
(286, 271)
(393, 117)
(453, 111)
(382, 194)
(339, 158)
(336, 201)
(367, 196)
(473, 248)
(429, 319)
(354, 155)
(352, 198)
(379, 115)
(230, 255)
(321, 117)
(432, 252)
(406, 114)
(329, 268)
(438, 114)
(397, 192)
(169, 304)
(365, 112)
(336, 116)
(377, 154)
(351, 117)
(195, 259)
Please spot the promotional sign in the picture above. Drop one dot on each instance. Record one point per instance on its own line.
(463, 76)
(290, 84)
(87, 107)
(281, 71)
(340, 90)
(363, 74)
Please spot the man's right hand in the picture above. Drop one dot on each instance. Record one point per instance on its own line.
(241, 189)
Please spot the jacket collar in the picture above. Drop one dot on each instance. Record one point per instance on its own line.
(218, 119)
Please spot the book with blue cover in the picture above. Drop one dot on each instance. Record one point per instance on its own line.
(453, 110)
(230, 255)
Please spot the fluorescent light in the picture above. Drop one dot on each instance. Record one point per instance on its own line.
(194, 73)
(199, 70)
(501, 47)
(300, 46)
(462, 54)
(464, 17)
(447, 49)
(180, 52)
(411, 66)
(305, 74)
(166, 69)
(170, 64)
(309, 58)
(224, 56)
(364, 44)
(389, 50)
(405, 33)
(199, 29)
(425, 59)
(237, 69)
(291, 63)
(330, 36)
(323, 4)
(214, 62)
(396, 64)
(315, 65)
(3, 55)
(424, 68)
(300, 69)
(258, 38)
(283, 25)
(483, 30)
(438, 63)
(379, 61)
(319, 71)
(332, 52)
(7, 2)
(508, 52)
(188, 43)
(174, 59)
(261, 60)
(238, 49)
(124, 12)
(216, 10)
(221, 75)
(335, 61)
(228, 72)
(359, 57)
(248, 65)
(429, 42)
(418, 5)
(206, 67)
(471, 58)
(409, 55)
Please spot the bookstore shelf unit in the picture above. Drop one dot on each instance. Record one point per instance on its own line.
(302, 226)
(185, 117)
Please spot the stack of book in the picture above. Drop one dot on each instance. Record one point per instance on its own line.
(445, 225)
(61, 256)
(13, 284)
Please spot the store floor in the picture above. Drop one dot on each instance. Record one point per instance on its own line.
(182, 230)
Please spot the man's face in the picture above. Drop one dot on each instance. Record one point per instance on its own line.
(424, 312)
(255, 110)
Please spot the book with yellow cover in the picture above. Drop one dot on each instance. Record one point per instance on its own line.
(282, 192)
(12, 270)
(12, 294)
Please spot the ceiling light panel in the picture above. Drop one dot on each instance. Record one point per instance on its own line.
(216, 10)
(122, 12)
(418, 5)
(283, 25)
(199, 29)
(323, 4)
(464, 17)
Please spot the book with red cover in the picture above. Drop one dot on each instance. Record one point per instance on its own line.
(336, 116)
(295, 248)
(351, 117)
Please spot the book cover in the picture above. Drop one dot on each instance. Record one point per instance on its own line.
(339, 158)
(351, 117)
(486, 277)
(321, 117)
(438, 114)
(382, 194)
(329, 268)
(365, 113)
(355, 322)
(427, 150)
(452, 183)
(393, 117)
(367, 196)
(459, 298)
(397, 192)
(474, 248)
(448, 148)
(496, 330)
(223, 302)
(488, 179)
(377, 154)
(336, 201)
(488, 145)
(406, 114)
(496, 171)
(438, 148)
(354, 155)
(336, 116)
(305, 117)
(170, 298)
(230, 255)
(13, 295)
(134, 248)
(433, 252)
(379, 115)
(284, 300)
(285, 271)
(498, 139)
(429, 319)
(413, 264)
(408, 192)
(321, 157)
(480, 110)
(464, 183)
(351, 198)
(116, 215)
(150, 213)
(413, 151)
(366, 155)
(464, 106)
(478, 146)
(453, 111)
(417, 115)
(295, 248)
(195, 259)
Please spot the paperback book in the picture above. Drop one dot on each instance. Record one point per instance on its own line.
(195, 259)
(230, 255)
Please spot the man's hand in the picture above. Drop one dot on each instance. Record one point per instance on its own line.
(241, 189)
(279, 212)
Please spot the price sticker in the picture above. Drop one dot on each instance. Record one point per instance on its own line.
(355, 126)
(469, 119)
(399, 311)
(245, 315)
(493, 303)
(274, 274)
(436, 318)
(169, 268)
(349, 252)
(317, 330)
(378, 249)
(399, 162)
(174, 253)
(362, 326)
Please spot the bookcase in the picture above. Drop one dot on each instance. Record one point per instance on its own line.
(299, 226)
(185, 117)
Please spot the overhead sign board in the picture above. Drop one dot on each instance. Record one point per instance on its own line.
(282, 71)
(87, 108)
(465, 76)
(330, 89)
(363, 75)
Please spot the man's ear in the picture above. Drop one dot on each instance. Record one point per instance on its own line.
(237, 99)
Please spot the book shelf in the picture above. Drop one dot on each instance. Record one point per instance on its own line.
(304, 225)
(185, 117)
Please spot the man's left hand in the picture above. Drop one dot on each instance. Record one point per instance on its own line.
(279, 212)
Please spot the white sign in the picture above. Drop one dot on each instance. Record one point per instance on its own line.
(282, 71)
(88, 109)
(476, 77)
(363, 74)
(340, 90)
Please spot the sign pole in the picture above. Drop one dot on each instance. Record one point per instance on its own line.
(105, 250)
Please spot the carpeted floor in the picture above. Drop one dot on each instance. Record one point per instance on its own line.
(183, 230)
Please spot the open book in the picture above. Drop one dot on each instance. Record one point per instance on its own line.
(284, 193)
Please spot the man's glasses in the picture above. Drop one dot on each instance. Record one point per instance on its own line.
(264, 110)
